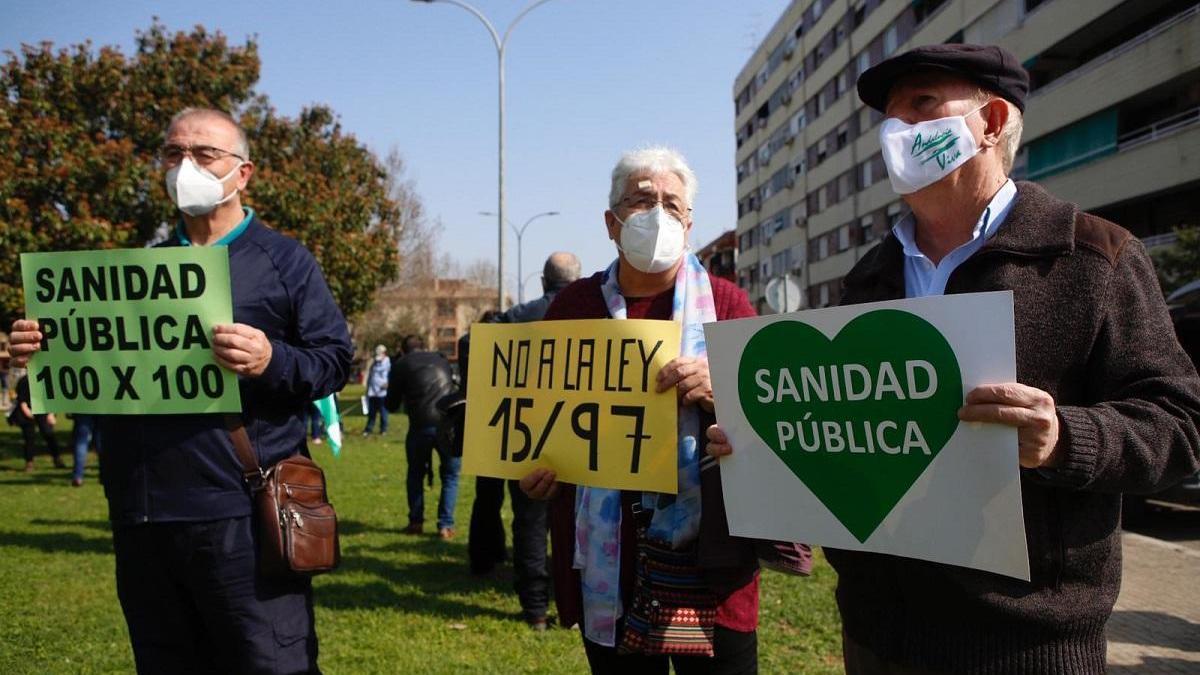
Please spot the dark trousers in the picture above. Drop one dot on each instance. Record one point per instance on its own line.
(734, 653)
(485, 543)
(861, 661)
(194, 602)
(29, 431)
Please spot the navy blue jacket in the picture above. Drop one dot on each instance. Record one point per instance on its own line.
(161, 468)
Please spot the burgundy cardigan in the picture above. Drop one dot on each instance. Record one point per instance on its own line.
(730, 563)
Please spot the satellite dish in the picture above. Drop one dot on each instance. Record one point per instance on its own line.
(783, 294)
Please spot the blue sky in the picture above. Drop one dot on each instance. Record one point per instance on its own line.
(586, 79)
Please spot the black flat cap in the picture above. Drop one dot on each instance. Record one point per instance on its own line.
(993, 68)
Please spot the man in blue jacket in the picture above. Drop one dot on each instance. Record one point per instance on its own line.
(183, 532)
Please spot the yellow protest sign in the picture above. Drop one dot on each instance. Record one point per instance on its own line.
(577, 397)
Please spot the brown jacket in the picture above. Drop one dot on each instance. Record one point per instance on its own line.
(1092, 330)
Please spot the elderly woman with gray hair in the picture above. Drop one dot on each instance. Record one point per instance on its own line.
(650, 581)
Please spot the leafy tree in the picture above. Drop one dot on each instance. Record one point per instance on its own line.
(79, 129)
(1180, 263)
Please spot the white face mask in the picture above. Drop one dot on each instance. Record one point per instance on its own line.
(652, 240)
(196, 191)
(919, 155)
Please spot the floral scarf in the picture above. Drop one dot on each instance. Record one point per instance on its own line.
(676, 518)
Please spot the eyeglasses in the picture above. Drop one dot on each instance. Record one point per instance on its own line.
(646, 202)
(172, 154)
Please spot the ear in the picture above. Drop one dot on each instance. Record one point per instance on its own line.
(995, 118)
(614, 227)
(244, 172)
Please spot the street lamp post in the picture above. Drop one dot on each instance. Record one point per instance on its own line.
(501, 43)
(520, 249)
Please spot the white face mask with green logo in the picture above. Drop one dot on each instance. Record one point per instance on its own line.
(919, 155)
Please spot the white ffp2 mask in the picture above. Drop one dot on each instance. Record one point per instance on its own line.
(196, 191)
(652, 240)
(919, 155)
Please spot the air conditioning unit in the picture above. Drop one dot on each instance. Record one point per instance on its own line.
(786, 98)
(789, 139)
(762, 123)
(791, 182)
(800, 221)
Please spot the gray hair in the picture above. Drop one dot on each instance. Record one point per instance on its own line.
(561, 268)
(655, 159)
(243, 145)
(1010, 137)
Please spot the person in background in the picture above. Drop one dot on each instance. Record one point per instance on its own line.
(31, 425)
(81, 437)
(419, 380)
(602, 539)
(316, 424)
(377, 388)
(485, 541)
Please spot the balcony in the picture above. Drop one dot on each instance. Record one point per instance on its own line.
(1164, 53)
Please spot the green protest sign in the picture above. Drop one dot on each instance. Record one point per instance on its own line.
(844, 424)
(856, 394)
(129, 331)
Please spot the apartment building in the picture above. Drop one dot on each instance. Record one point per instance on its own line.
(1112, 121)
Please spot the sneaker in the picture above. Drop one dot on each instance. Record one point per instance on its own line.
(366, 434)
(59, 464)
(537, 625)
(76, 482)
(446, 533)
(414, 528)
(28, 467)
(317, 441)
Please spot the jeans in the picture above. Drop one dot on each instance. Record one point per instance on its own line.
(419, 446)
(84, 433)
(734, 653)
(195, 603)
(485, 542)
(375, 406)
(316, 423)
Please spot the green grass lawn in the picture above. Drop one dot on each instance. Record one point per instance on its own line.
(398, 604)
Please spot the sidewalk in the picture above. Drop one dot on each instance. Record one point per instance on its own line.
(1155, 627)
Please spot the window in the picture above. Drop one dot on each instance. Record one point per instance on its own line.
(798, 166)
(445, 308)
(894, 214)
(864, 61)
(822, 248)
(843, 240)
(860, 13)
(818, 8)
(843, 136)
(841, 85)
(821, 150)
(891, 40)
(865, 178)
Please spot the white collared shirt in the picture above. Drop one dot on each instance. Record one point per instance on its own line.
(921, 276)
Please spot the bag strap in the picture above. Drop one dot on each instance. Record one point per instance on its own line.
(251, 470)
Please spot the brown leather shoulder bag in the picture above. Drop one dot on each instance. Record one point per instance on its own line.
(297, 526)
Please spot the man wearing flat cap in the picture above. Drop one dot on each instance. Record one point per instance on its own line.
(1106, 401)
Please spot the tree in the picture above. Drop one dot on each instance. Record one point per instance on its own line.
(79, 130)
(1180, 263)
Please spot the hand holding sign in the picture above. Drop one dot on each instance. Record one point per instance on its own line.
(243, 349)
(1029, 409)
(24, 341)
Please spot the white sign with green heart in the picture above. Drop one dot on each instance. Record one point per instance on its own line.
(844, 423)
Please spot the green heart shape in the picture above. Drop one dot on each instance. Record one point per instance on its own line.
(796, 387)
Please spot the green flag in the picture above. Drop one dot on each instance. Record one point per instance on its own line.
(333, 425)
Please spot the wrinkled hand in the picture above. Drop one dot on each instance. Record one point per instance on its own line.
(243, 349)
(1030, 410)
(718, 442)
(24, 341)
(689, 375)
(539, 484)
